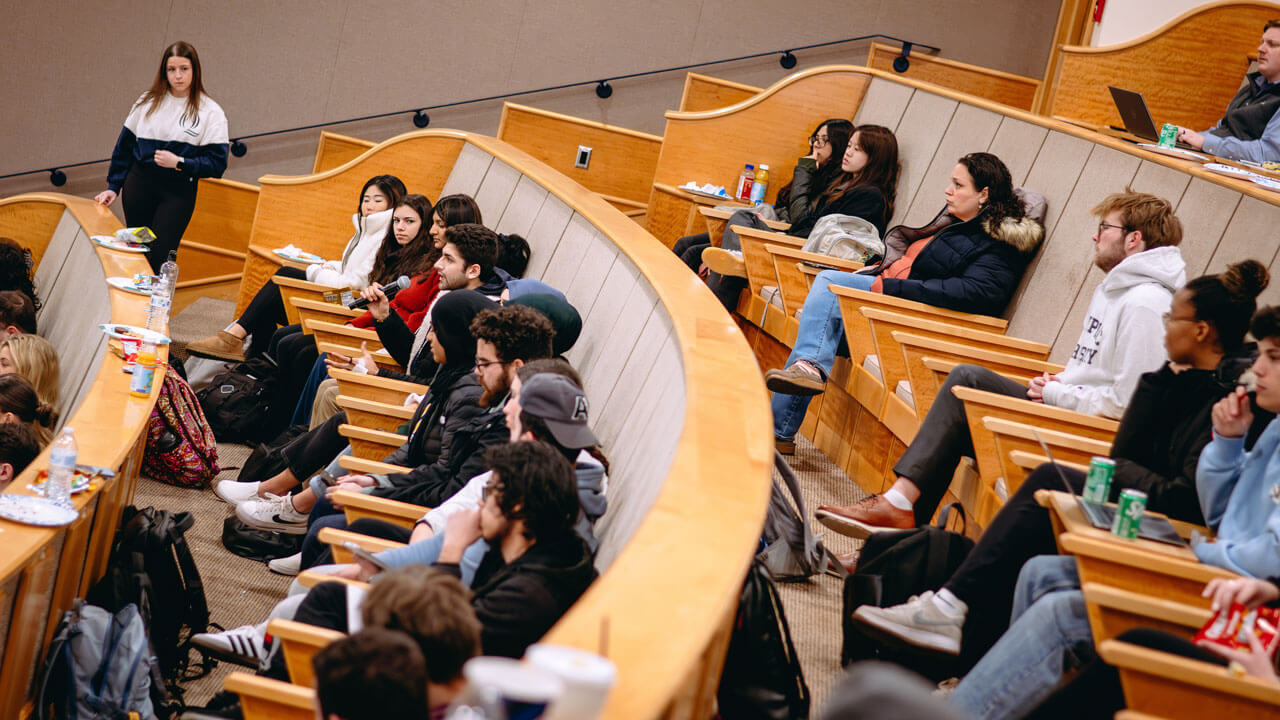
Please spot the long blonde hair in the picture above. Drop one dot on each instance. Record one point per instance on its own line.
(35, 359)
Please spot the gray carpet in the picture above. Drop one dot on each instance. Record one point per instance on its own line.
(813, 608)
(197, 321)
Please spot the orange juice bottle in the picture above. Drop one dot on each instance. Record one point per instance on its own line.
(761, 185)
(144, 370)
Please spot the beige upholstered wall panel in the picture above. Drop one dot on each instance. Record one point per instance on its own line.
(609, 416)
(971, 130)
(589, 281)
(1017, 143)
(544, 235)
(522, 209)
(602, 376)
(568, 253)
(605, 311)
(78, 301)
(468, 171)
(925, 120)
(1205, 210)
(1252, 234)
(883, 104)
(495, 191)
(55, 255)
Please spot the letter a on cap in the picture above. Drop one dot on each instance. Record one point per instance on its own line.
(580, 408)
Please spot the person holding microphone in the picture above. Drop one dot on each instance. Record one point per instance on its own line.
(174, 134)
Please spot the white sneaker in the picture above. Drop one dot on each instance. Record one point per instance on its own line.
(236, 492)
(290, 566)
(274, 512)
(918, 622)
(241, 645)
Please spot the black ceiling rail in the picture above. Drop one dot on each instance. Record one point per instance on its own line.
(421, 119)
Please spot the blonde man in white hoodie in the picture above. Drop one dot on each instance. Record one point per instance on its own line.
(1135, 244)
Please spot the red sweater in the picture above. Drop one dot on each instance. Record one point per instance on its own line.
(411, 303)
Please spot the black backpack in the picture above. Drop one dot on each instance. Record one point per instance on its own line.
(267, 459)
(152, 567)
(892, 567)
(762, 676)
(237, 402)
(261, 545)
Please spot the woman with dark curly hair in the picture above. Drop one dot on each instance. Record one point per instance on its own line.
(16, 270)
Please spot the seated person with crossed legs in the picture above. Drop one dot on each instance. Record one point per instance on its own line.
(1136, 245)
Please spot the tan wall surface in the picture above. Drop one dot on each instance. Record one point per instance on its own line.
(73, 68)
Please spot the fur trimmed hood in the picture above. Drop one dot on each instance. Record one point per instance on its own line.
(1024, 235)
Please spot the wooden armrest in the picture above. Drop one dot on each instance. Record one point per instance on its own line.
(941, 368)
(351, 348)
(328, 308)
(335, 538)
(361, 466)
(300, 642)
(347, 331)
(919, 309)
(374, 415)
(724, 215)
(304, 285)
(823, 262)
(991, 359)
(1149, 610)
(370, 444)
(311, 578)
(1178, 687)
(944, 330)
(267, 699)
(1170, 572)
(1053, 438)
(375, 388)
(357, 505)
(770, 236)
(1012, 408)
(1030, 461)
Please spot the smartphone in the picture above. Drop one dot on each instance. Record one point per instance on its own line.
(365, 555)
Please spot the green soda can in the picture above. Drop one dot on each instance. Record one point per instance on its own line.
(1168, 135)
(1129, 511)
(1097, 484)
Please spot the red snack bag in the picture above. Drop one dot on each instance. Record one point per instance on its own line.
(1229, 627)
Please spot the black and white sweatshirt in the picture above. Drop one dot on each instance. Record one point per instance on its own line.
(202, 141)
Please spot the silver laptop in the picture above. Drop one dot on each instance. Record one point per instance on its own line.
(1102, 515)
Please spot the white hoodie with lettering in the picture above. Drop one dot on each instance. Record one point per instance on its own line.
(1123, 334)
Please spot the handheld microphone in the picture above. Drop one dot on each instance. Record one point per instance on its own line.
(390, 291)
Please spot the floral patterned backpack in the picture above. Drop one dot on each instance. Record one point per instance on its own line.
(181, 449)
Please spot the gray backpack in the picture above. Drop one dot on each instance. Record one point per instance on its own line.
(791, 551)
(99, 666)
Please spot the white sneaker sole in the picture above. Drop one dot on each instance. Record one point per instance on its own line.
(908, 633)
(223, 648)
(217, 490)
(847, 526)
(298, 528)
(279, 567)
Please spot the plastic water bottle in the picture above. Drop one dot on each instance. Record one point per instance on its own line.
(761, 185)
(162, 294)
(62, 467)
(747, 177)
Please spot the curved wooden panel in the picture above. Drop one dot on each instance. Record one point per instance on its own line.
(1187, 70)
(216, 240)
(703, 92)
(46, 568)
(622, 161)
(699, 387)
(334, 150)
(1005, 88)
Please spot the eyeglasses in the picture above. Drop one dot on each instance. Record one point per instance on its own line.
(1102, 227)
(482, 364)
(1167, 318)
(819, 141)
(488, 490)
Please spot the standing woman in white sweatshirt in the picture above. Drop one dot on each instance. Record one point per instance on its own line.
(173, 135)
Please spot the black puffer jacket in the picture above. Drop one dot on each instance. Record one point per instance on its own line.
(431, 425)
(969, 266)
(517, 603)
(1166, 426)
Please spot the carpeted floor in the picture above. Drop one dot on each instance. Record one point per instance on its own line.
(241, 591)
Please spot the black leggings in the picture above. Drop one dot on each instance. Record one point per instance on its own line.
(726, 289)
(308, 453)
(295, 353)
(162, 200)
(265, 312)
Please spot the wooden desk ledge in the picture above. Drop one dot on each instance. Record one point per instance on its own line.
(304, 285)
(978, 322)
(381, 437)
(311, 578)
(320, 306)
(1187, 672)
(261, 696)
(367, 505)
(772, 236)
(1048, 413)
(1148, 556)
(1030, 461)
(361, 466)
(1146, 605)
(918, 325)
(713, 213)
(302, 632)
(821, 262)
(365, 334)
(402, 412)
(1054, 438)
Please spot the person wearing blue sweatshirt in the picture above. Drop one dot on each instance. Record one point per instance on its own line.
(1240, 491)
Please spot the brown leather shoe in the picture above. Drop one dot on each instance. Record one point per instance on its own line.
(724, 262)
(869, 515)
(784, 446)
(223, 346)
(794, 381)
(848, 561)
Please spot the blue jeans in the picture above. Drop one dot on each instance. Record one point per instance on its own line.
(427, 552)
(319, 373)
(817, 341)
(1049, 634)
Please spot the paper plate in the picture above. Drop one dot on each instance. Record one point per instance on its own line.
(121, 332)
(107, 241)
(302, 257)
(36, 511)
(707, 194)
(127, 285)
(1268, 183)
(79, 482)
(1232, 171)
(1179, 153)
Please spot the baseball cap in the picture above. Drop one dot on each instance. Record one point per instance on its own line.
(559, 403)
